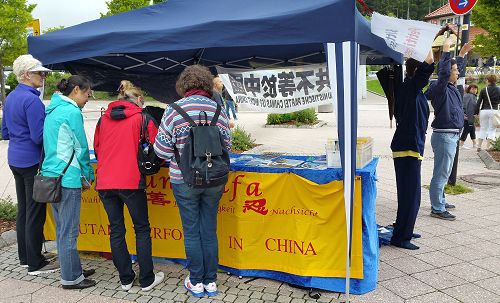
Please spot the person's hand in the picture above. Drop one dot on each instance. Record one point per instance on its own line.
(86, 184)
(465, 49)
(447, 44)
(231, 123)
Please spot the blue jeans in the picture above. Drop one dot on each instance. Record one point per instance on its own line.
(198, 210)
(230, 106)
(137, 205)
(67, 216)
(444, 146)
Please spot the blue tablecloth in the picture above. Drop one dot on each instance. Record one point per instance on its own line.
(369, 234)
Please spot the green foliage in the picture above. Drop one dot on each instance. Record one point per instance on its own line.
(12, 82)
(8, 209)
(14, 17)
(495, 144)
(52, 29)
(306, 116)
(242, 140)
(51, 83)
(417, 9)
(485, 15)
(120, 6)
(456, 189)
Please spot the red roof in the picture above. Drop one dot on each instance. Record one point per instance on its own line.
(444, 10)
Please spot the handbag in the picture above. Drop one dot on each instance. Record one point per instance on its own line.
(496, 115)
(147, 160)
(48, 189)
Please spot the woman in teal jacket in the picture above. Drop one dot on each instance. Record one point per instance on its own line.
(64, 134)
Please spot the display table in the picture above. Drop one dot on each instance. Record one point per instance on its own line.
(281, 223)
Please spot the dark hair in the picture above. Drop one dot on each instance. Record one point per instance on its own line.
(471, 87)
(492, 79)
(194, 77)
(411, 66)
(66, 86)
(453, 62)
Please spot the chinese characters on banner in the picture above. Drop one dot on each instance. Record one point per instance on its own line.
(266, 221)
(280, 90)
(411, 38)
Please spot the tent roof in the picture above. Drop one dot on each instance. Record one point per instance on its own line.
(161, 39)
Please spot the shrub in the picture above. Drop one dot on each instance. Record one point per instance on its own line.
(51, 83)
(8, 210)
(12, 82)
(306, 116)
(242, 140)
(495, 144)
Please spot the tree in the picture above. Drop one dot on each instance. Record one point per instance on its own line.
(14, 17)
(52, 29)
(120, 6)
(485, 15)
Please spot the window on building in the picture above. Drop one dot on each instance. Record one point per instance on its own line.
(442, 22)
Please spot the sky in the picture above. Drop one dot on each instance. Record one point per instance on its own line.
(54, 13)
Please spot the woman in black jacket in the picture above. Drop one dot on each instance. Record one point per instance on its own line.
(469, 105)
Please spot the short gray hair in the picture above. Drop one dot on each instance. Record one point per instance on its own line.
(23, 64)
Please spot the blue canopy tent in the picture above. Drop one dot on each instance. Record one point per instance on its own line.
(151, 45)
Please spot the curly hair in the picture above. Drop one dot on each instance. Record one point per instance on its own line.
(194, 77)
(23, 64)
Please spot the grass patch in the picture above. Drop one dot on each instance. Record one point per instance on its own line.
(8, 210)
(457, 189)
(374, 87)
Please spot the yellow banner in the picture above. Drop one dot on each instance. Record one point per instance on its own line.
(266, 221)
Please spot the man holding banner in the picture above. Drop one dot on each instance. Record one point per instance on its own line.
(448, 121)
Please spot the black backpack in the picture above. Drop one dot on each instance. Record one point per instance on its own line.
(147, 160)
(204, 162)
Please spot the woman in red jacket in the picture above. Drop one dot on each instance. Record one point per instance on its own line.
(120, 182)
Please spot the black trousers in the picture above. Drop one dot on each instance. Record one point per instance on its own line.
(468, 129)
(136, 201)
(30, 219)
(409, 194)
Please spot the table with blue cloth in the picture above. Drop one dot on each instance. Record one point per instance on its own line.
(369, 226)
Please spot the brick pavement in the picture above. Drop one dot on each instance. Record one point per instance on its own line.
(457, 261)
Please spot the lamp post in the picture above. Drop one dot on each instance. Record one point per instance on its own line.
(494, 64)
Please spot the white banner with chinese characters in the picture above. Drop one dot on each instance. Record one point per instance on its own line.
(279, 90)
(411, 38)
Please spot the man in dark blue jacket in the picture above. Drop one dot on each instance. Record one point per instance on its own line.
(448, 121)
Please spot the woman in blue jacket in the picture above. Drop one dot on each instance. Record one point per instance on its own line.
(22, 125)
(64, 141)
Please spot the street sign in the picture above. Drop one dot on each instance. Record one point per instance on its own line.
(462, 7)
(33, 28)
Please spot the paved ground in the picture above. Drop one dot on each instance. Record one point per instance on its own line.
(457, 261)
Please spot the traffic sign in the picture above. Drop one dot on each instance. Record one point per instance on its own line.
(462, 7)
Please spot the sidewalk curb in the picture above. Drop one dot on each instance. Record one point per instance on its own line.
(488, 160)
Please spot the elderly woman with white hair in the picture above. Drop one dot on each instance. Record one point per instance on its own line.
(22, 125)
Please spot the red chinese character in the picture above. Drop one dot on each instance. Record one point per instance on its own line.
(258, 206)
(158, 198)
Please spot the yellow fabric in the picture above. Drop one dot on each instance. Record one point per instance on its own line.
(407, 153)
(266, 221)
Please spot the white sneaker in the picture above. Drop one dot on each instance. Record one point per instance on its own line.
(127, 287)
(211, 289)
(196, 290)
(159, 276)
